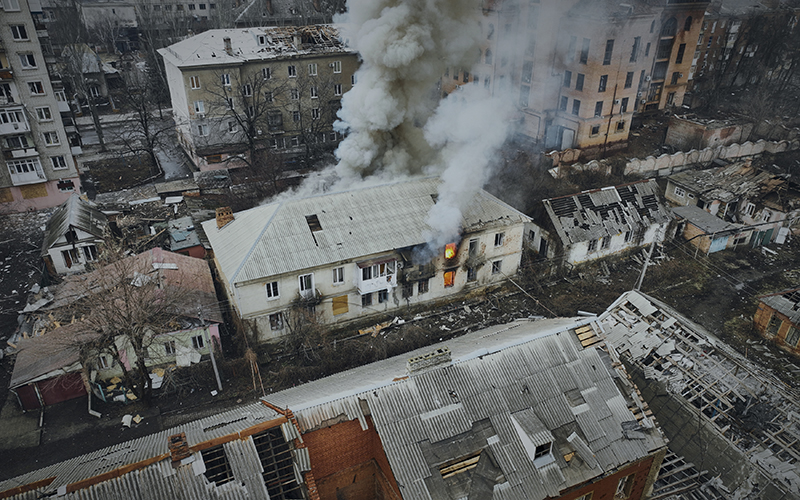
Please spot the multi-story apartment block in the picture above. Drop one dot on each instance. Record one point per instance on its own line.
(236, 92)
(579, 69)
(39, 171)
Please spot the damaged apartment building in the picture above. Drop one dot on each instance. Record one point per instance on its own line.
(753, 206)
(580, 70)
(609, 221)
(524, 410)
(352, 254)
(238, 91)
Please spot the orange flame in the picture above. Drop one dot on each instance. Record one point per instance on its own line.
(450, 251)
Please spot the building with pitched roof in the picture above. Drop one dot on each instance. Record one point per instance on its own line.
(604, 222)
(742, 194)
(708, 233)
(238, 91)
(522, 410)
(778, 318)
(72, 236)
(49, 363)
(359, 252)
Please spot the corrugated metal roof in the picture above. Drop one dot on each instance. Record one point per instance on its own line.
(607, 212)
(786, 303)
(75, 212)
(159, 480)
(706, 222)
(445, 404)
(274, 239)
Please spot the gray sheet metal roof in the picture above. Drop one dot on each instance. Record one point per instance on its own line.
(607, 212)
(159, 480)
(182, 234)
(727, 183)
(208, 47)
(273, 239)
(706, 222)
(75, 212)
(513, 375)
(786, 302)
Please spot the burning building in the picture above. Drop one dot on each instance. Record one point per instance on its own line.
(356, 253)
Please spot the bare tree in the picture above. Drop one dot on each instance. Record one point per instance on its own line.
(78, 63)
(126, 303)
(144, 133)
(314, 113)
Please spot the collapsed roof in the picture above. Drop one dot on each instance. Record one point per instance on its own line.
(74, 213)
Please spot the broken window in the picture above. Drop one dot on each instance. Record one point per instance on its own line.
(598, 108)
(472, 274)
(592, 245)
(499, 238)
(306, 283)
(276, 321)
(276, 461)
(90, 253)
(576, 107)
(422, 286)
(749, 209)
(71, 257)
(292, 71)
(623, 107)
(567, 78)
(338, 275)
(169, 348)
(366, 300)
(606, 242)
(473, 247)
(563, 104)
(272, 290)
(218, 469)
(408, 290)
(340, 305)
(620, 125)
(774, 325)
(198, 342)
(497, 267)
(383, 296)
(792, 336)
(587, 496)
(579, 82)
(103, 363)
(624, 487)
(585, 51)
(609, 52)
(603, 83)
(681, 51)
(226, 79)
(637, 43)
(449, 278)
(542, 451)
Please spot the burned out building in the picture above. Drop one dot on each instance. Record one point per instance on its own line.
(604, 222)
(356, 253)
(740, 194)
(778, 319)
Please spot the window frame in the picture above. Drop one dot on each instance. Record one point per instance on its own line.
(51, 138)
(62, 162)
(338, 275)
(198, 342)
(194, 82)
(499, 239)
(272, 290)
(15, 31)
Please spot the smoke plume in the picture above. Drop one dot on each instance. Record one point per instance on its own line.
(396, 125)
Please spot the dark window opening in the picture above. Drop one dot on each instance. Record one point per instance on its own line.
(609, 52)
(276, 460)
(313, 222)
(579, 81)
(218, 469)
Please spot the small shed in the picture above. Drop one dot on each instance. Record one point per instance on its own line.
(72, 236)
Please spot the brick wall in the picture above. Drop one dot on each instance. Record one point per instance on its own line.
(344, 446)
(605, 488)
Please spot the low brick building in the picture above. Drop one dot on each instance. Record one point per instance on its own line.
(778, 318)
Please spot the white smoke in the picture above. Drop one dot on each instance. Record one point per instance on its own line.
(395, 123)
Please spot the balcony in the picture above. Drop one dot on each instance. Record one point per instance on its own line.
(32, 177)
(6, 74)
(15, 154)
(14, 128)
(76, 150)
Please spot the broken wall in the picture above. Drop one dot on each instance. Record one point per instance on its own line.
(687, 134)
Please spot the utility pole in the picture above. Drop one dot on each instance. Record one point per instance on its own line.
(210, 347)
(647, 260)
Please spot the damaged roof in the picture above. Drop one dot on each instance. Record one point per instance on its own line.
(278, 42)
(710, 224)
(508, 389)
(74, 213)
(45, 356)
(142, 468)
(786, 302)
(607, 212)
(749, 408)
(728, 183)
(274, 239)
(173, 269)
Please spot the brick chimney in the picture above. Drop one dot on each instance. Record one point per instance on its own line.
(224, 216)
(439, 357)
(228, 47)
(179, 448)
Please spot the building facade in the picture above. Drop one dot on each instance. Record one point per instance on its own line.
(39, 169)
(580, 70)
(778, 319)
(236, 93)
(353, 254)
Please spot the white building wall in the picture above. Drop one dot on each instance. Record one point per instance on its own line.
(254, 304)
(579, 253)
